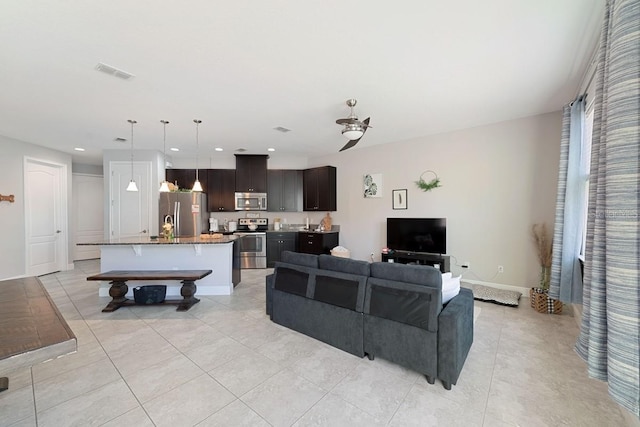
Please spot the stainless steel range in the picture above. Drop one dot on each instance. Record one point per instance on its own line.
(253, 242)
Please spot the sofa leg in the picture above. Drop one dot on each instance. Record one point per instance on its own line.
(447, 385)
(430, 379)
(370, 356)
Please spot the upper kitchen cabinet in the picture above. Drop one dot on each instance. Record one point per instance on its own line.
(284, 190)
(320, 189)
(221, 186)
(185, 178)
(251, 173)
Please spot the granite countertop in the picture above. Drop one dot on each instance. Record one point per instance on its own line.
(302, 231)
(162, 241)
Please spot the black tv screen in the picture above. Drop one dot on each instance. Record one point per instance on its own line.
(428, 235)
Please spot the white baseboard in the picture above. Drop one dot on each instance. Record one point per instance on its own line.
(522, 290)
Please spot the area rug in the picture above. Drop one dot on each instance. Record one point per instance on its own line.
(496, 296)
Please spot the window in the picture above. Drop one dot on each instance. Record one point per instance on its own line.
(585, 163)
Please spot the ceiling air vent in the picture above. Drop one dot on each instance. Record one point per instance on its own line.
(241, 150)
(282, 129)
(121, 74)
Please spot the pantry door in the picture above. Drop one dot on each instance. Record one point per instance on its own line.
(88, 214)
(131, 211)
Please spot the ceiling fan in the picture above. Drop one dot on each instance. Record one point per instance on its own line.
(353, 128)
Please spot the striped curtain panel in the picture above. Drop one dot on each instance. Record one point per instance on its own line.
(609, 339)
(566, 275)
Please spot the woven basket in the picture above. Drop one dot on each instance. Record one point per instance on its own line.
(541, 302)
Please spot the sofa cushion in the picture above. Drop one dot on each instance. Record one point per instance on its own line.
(307, 260)
(418, 274)
(406, 303)
(336, 291)
(343, 265)
(291, 280)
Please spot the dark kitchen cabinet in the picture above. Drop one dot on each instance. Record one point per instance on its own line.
(319, 189)
(221, 187)
(251, 173)
(284, 190)
(186, 177)
(317, 243)
(278, 242)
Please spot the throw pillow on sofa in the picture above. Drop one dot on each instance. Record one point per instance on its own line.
(450, 287)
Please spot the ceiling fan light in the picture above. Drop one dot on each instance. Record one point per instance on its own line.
(132, 186)
(197, 186)
(352, 133)
(164, 187)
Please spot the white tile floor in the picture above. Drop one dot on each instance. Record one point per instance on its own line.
(224, 363)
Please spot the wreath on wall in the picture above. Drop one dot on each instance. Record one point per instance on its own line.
(428, 185)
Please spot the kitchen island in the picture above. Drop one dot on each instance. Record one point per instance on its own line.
(182, 253)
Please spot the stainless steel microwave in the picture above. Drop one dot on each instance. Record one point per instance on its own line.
(251, 201)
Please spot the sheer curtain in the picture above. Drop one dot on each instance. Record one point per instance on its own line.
(566, 276)
(609, 338)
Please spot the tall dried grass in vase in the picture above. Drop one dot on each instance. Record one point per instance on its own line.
(544, 247)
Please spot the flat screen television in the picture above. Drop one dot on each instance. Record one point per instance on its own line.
(427, 235)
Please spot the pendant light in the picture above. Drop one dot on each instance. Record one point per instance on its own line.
(164, 187)
(196, 185)
(132, 184)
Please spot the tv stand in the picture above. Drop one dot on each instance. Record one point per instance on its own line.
(419, 258)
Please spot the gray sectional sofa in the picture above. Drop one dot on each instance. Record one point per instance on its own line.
(393, 311)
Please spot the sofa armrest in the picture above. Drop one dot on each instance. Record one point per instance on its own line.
(269, 293)
(455, 336)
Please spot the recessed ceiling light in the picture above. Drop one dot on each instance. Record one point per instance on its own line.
(241, 150)
(218, 149)
(79, 149)
(271, 149)
(174, 149)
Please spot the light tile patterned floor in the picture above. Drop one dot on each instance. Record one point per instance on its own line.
(224, 363)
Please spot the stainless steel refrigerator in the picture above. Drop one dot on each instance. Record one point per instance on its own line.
(187, 211)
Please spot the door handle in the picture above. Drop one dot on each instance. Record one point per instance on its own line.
(58, 231)
(143, 231)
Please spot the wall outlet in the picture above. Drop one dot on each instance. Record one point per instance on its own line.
(500, 269)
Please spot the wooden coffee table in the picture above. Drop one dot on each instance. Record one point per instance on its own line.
(119, 288)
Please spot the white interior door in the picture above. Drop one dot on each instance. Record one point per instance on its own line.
(130, 210)
(88, 215)
(45, 189)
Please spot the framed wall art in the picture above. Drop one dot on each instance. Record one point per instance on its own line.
(399, 199)
(373, 185)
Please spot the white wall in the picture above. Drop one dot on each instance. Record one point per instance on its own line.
(497, 181)
(12, 215)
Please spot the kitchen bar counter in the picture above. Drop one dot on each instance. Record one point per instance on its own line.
(161, 241)
(183, 253)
